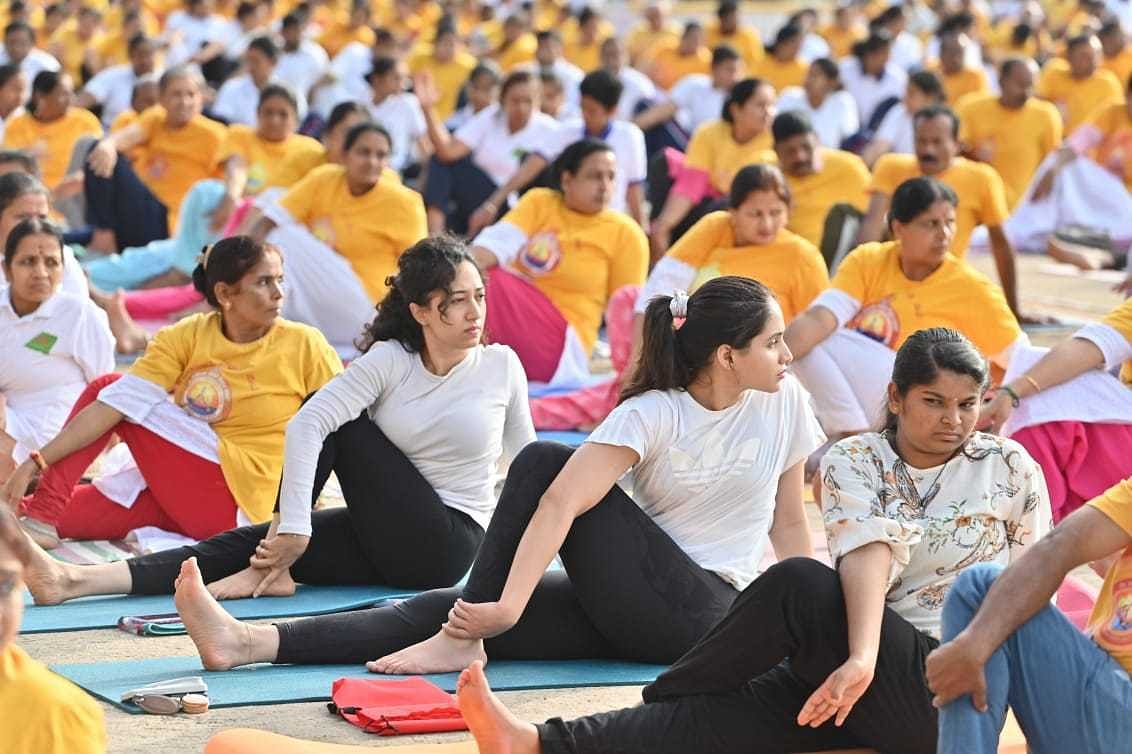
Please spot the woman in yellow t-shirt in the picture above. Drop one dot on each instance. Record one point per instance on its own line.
(210, 457)
(559, 258)
(297, 164)
(781, 67)
(344, 226)
(1065, 406)
(51, 126)
(700, 178)
(845, 342)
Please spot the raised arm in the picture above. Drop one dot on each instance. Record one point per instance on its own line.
(447, 148)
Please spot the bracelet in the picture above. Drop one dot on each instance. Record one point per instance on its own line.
(1032, 381)
(1015, 401)
(38, 459)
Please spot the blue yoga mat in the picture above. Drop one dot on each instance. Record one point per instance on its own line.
(103, 612)
(283, 684)
(573, 439)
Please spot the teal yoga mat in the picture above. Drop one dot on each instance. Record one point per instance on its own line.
(103, 612)
(283, 684)
(571, 438)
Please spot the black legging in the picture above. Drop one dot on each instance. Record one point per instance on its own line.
(394, 529)
(628, 591)
(740, 689)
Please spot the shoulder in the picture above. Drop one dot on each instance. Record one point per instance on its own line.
(712, 131)
(212, 128)
(496, 356)
(893, 163)
(387, 356)
(23, 120)
(872, 253)
(328, 173)
(290, 331)
(84, 118)
(650, 406)
(241, 132)
(804, 248)
(1044, 107)
(843, 162)
(983, 447)
(57, 697)
(865, 447)
(305, 144)
(74, 307)
(539, 198)
(979, 103)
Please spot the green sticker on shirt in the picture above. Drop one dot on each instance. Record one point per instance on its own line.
(43, 342)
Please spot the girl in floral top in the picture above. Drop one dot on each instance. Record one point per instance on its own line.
(809, 658)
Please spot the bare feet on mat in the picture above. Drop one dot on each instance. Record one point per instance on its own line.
(47, 579)
(495, 729)
(128, 337)
(222, 641)
(439, 654)
(243, 584)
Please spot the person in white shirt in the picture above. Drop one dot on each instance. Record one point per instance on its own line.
(871, 77)
(481, 91)
(600, 93)
(196, 35)
(246, 26)
(52, 343)
(111, 88)
(19, 49)
(346, 76)
(896, 132)
(696, 98)
(398, 111)
(484, 153)
(832, 110)
(13, 93)
(637, 89)
(238, 98)
(548, 59)
(302, 62)
(413, 429)
(907, 50)
(712, 434)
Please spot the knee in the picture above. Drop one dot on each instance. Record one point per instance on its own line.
(540, 458)
(796, 573)
(974, 582)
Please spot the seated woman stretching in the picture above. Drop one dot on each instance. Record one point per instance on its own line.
(209, 458)
(413, 429)
(810, 658)
(714, 432)
(559, 258)
(1066, 407)
(882, 293)
(51, 343)
(344, 226)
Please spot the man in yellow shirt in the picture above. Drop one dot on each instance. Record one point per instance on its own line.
(43, 713)
(668, 63)
(1077, 85)
(959, 79)
(1116, 50)
(982, 195)
(1012, 132)
(1004, 644)
(654, 30)
(728, 31)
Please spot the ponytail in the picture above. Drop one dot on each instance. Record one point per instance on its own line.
(662, 366)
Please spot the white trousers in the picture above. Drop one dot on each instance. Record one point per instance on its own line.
(847, 374)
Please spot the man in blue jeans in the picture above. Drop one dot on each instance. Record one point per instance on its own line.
(1006, 645)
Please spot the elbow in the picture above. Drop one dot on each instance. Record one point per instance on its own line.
(557, 506)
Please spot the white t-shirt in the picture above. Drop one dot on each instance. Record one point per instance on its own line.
(302, 67)
(402, 117)
(36, 61)
(698, 101)
(187, 34)
(637, 88)
(709, 478)
(496, 150)
(46, 359)
(834, 121)
(113, 88)
(351, 66)
(454, 429)
(869, 91)
(238, 100)
(569, 74)
(628, 145)
(813, 47)
(908, 51)
(896, 129)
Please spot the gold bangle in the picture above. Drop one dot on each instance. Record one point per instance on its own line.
(38, 459)
(1032, 381)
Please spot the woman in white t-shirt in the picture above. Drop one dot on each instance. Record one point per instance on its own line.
(712, 433)
(484, 153)
(413, 429)
(52, 343)
(895, 132)
(831, 108)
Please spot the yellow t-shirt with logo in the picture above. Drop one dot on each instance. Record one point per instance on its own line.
(174, 159)
(1114, 152)
(841, 178)
(577, 260)
(1110, 624)
(713, 150)
(981, 192)
(449, 77)
(893, 307)
(781, 74)
(263, 158)
(790, 265)
(1077, 99)
(371, 231)
(1018, 139)
(52, 142)
(1120, 319)
(246, 391)
(44, 713)
(745, 41)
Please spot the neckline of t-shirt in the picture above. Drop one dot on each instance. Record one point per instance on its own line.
(743, 397)
(459, 366)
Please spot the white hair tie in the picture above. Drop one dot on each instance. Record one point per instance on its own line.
(679, 304)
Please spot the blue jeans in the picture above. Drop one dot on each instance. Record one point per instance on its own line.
(1067, 693)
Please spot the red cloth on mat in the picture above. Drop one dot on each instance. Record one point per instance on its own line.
(392, 707)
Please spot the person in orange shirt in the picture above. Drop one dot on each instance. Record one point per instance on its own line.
(1116, 50)
(959, 80)
(131, 205)
(982, 194)
(667, 63)
(449, 66)
(518, 45)
(654, 31)
(698, 179)
(844, 32)
(727, 30)
(782, 67)
(76, 48)
(1078, 85)
(583, 47)
(355, 28)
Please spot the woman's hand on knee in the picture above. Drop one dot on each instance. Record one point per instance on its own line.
(480, 620)
(837, 695)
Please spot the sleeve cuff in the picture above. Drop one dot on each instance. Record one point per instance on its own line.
(847, 535)
(843, 306)
(503, 239)
(1113, 344)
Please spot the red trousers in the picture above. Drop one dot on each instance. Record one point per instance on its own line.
(185, 493)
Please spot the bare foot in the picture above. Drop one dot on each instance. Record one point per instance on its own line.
(243, 584)
(439, 654)
(222, 641)
(495, 729)
(48, 579)
(127, 335)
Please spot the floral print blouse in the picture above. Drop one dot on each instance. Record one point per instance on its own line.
(985, 505)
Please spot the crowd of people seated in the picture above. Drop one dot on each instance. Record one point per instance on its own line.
(249, 244)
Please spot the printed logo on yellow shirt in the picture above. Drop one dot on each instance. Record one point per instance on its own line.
(542, 253)
(257, 175)
(1116, 632)
(878, 321)
(157, 167)
(207, 395)
(322, 228)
